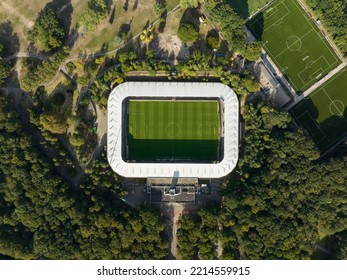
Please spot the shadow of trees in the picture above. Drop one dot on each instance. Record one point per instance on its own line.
(256, 26)
(113, 13)
(240, 7)
(162, 22)
(136, 3)
(126, 5)
(8, 39)
(10, 47)
(191, 15)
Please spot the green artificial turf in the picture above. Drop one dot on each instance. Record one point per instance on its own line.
(323, 113)
(173, 130)
(294, 43)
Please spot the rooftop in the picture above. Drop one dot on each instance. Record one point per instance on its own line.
(172, 89)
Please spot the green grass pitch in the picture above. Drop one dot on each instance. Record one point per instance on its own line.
(173, 130)
(294, 43)
(323, 113)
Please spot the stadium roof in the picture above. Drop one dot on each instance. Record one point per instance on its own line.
(172, 89)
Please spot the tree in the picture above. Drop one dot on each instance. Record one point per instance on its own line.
(187, 32)
(210, 4)
(43, 71)
(159, 7)
(212, 42)
(252, 51)
(48, 30)
(184, 4)
(340, 246)
(42, 218)
(93, 14)
(146, 36)
(5, 71)
(77, 140)
(54, 122)
(250, 84)
(232, 27)
(281, 203)
(334, 17)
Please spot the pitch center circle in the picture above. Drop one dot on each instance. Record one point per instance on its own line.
(337, 107)
(294, 43)
(173, 129)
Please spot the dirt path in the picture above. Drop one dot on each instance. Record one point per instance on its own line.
(219, 249)
(177, 210)
(12, 11)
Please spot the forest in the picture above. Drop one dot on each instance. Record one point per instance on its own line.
(333, 14)
(41, 217)
(282, 203)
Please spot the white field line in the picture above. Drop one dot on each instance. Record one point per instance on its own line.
(332, 102)
(317, 85)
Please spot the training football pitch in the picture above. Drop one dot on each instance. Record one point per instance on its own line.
(294, 43)
(323, 113)
(176, 130)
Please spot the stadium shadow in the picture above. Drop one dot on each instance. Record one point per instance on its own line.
(168, 150)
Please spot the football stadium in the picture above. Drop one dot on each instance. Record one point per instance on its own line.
(173, 130)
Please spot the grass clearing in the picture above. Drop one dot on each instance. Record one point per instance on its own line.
(294, 43)
(133, 21)
(173, 130)
(323, 113)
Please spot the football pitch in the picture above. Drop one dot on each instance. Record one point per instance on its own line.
(294, 43)
(177, 130)
(323, 113)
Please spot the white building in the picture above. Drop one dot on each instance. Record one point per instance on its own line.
(230, 127)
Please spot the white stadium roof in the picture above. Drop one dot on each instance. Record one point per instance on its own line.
(172, 89)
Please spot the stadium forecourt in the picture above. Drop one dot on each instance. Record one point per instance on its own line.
(172, 91)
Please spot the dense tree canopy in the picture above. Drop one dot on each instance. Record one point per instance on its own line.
(48, 30)
(198, 234)
(282, 203)
(334, 17)
(340, 248)
(184, 4)
(187, 32)
(54, 122)
(232, 29)
(283, 199)
(4, 67)
(42, 218)
(43, 71)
